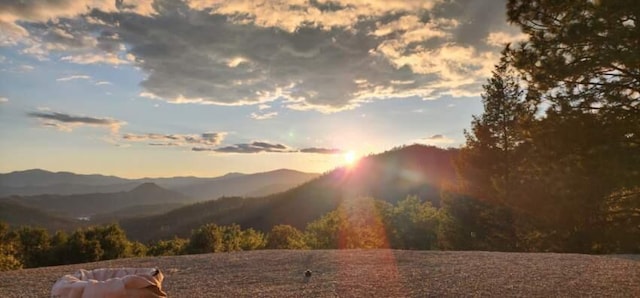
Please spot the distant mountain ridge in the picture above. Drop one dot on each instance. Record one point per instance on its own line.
(88, 205)
(40, 182)
(390, 176)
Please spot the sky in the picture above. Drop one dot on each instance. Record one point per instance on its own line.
(206, 87)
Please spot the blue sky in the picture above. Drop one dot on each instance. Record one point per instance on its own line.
(167, 88)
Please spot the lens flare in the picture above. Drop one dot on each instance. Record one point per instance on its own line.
(350, 157)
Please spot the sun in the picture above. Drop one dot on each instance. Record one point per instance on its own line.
(350, 157)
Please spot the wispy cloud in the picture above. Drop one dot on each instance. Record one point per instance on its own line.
(4, 100)
(263, 116)
(96, 58)
(437, 139)
(100, 83)
(74, 77)
(154, 139)
(263, 146)
(321, 150)
(253, 147)
(67, 122)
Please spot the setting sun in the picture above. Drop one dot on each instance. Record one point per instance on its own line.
(350, 157)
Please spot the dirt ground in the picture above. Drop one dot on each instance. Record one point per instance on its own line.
(366, 273)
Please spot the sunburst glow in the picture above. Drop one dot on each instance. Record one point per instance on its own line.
(350, 157)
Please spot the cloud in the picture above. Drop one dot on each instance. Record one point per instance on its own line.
(437, 139)
(4, 100)
(321, 150)
(67, 122)
(311, 55)
(154, 139)
(73, 77)
(500, 38)
(96, 58)
(263, 116)
(253, 147)
(263, 146)
(22, 68)
(100, 83)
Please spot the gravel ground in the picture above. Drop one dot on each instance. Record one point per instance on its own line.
(366, 273)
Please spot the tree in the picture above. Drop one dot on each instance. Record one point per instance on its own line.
(58, 245)
(285, 237)
(492, 165)
(252, 240)
(113, 241)
(33, 248)
(413, 224)
(587, 47)
(8, 249)
(82, 250)
(206, 239)
(173, 247)
(583, 60)
(497, 141)
(356, 223)
(466, 223)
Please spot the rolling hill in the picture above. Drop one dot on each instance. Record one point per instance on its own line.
(16, 214)
(88, 205)
(391, 176)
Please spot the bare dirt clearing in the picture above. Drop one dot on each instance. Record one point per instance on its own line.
(366, 273)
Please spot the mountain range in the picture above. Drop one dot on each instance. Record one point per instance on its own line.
(41, 182)
(110, 198)
(155, 209)
(391, 176)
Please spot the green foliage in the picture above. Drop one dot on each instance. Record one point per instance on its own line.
(470, 224)
(8, 249)
(564, 179)
(357, 223)
(173, 247)
(285, 237)
(252, 240)
(413, 224)
(213, 238)
(33, 246)
(621, 227)
(112, 241)
(80, 249)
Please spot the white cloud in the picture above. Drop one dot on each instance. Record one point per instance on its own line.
(500, 38)
(4, 100)
(263, 116)
(326, 56)
(73, 77)
(92, 58)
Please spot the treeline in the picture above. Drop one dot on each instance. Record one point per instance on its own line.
(357, 223)
(554, 160)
